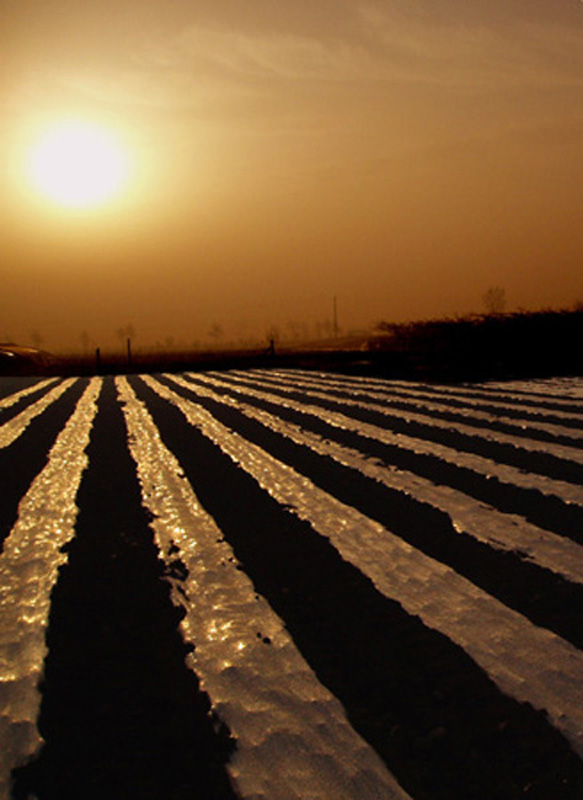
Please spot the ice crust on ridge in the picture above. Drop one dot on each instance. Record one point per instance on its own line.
(12, 429)
(566, 452)
(500, 530)
(529, 663)
(293, 739)
(568, 492)
(29, 566)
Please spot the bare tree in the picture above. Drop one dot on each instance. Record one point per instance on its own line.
(494, 300)
(126, 332)
(273, 333)
(216, 333)
(125, 335)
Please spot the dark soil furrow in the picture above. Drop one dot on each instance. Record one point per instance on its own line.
(439, 392)
(518, 397)
(545, 511)
(122, 716)
(6, 414)
(533, 434)
(441, 725)
(544, 597)
(416, 407)
(21, 462)
(12, 384)
(538, 461)
(506, 411)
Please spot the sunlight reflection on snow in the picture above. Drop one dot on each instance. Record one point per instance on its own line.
(29, 564)
(289, 728)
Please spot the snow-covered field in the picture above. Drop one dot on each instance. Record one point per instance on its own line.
(289, 585)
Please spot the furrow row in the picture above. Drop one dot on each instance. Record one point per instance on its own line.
(519, 420)
(345, 415)
(293, 737)
(366, 603)
(377, 402)
(29, 568)
(508, 532)
(515, 653)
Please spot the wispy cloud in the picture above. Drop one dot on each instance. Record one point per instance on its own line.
(279, 55)
(212, 67)
(456, 52)
(394, 48)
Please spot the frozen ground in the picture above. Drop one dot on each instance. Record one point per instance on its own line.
(290, 585)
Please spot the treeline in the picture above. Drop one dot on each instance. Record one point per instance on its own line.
(500, 345)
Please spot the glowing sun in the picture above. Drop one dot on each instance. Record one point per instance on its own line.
(78, 165)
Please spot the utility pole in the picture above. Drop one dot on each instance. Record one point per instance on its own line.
(335, 318)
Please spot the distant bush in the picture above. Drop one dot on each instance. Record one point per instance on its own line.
(528, 342)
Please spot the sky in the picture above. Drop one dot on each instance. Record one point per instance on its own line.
(400, 156)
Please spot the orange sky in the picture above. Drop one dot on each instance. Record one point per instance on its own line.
(403, 155)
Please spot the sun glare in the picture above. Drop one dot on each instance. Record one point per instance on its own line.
(78, 165)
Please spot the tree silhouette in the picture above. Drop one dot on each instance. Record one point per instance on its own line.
(126, 332)
(273, 333)
(216, 333)
(125, 335)
(494, 300)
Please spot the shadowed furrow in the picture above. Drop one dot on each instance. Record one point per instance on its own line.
(476, 396)
(332, 557)
(293, 737)
(12, 385)
(121, 714)
(556, 393)
(27, 455)
(534, 424)
(544, 510)
(13, 404)
(439, 723)
(535, 460)
(29, 565)
(13, 428)
(468, 515)
(530, 427)
(544, 597)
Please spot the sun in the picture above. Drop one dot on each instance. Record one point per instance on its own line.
(78, 165)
